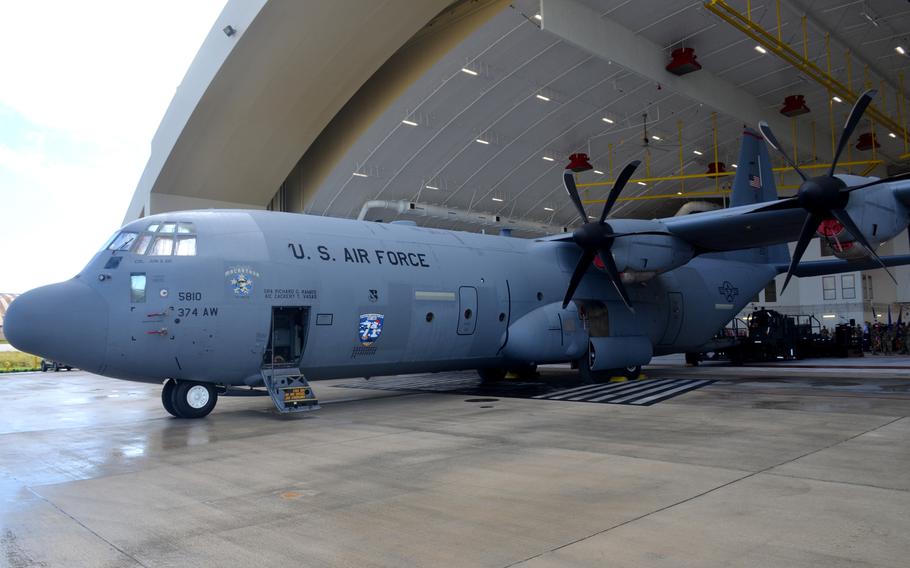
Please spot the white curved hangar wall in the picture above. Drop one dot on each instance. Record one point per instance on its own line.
(253, 102)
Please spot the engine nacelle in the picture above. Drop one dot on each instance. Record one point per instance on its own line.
(648, 253)
(880, 211)
(548, 334)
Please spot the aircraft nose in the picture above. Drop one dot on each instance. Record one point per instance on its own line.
(64, 322)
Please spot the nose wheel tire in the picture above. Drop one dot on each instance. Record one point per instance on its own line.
(189, 399)
(167, 396)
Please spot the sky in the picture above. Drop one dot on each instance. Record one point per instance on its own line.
(83, 87)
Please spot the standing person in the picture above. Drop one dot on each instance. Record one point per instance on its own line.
(876, 334)
(887, 340)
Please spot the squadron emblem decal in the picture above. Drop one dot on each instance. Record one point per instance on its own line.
(728, 291)
(241, 280)
(370, 328)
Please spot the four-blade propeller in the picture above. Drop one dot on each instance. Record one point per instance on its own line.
(824, 197)
(596, 238)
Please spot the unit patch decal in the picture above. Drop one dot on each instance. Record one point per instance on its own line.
(728, 291)
(241, 280)
(370, 328)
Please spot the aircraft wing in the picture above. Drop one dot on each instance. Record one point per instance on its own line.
(823, 267)
(737, 227)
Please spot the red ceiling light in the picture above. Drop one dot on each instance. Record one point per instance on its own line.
(867, 141)
(683, 61)
(794, 105)
(717, 168)
(579, 163)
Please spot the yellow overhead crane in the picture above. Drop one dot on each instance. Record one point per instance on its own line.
(776, 45)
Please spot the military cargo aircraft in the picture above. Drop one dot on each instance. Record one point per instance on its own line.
(226, 302)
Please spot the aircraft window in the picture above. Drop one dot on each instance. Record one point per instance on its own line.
(186, 246)
(168, 228)
(153, 227)
(142, 244)
(122, 241)
(137, 287)
(185, 228)
(162, 246)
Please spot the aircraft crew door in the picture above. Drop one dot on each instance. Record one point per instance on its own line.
(674, 318)
(467, 310)
(287, 338)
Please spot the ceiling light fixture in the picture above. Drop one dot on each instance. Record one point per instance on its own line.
(548, 158)
(761, 49)
(497, 199)
(697, 152)
(409, 122)
(431, 187)
(837, 99)
(892, 135)
(678, 193)
(538, 17)
(468, 71)
(658, 138)
(481, 141)
(900, 49)
(543, 98)
(734, 165)
(641, 183)
(358, 174)
(598, 172)
(607, 120)
(549, 209)
(829, 316)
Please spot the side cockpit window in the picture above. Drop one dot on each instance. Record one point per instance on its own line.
(167, 239)
(122, 241)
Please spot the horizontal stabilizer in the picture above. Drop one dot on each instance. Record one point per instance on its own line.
(823, 267)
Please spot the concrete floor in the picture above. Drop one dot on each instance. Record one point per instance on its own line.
(779, 467)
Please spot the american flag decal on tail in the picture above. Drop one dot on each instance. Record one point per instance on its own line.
(755, 181)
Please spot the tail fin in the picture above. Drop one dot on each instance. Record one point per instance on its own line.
(754, 180)
(754, 183)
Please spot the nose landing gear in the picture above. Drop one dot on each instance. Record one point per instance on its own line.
(187, 399)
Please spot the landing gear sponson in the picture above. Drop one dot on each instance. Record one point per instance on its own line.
(188, 399)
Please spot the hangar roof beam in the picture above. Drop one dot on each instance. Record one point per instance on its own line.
(585, 28)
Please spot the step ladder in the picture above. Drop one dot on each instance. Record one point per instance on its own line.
(289, 389)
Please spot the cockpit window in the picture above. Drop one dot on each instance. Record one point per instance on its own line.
(122, 241)
(165, 239)
(186, 246)
(162, 246)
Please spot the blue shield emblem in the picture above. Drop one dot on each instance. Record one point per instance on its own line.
(370, 328)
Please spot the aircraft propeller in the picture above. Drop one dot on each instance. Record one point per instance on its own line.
(824, 197)
(596, 238)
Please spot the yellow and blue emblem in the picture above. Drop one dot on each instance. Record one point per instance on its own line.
(370, 328)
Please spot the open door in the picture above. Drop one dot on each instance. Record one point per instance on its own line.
(287, 338)
(289, 389)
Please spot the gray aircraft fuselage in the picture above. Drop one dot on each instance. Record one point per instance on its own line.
(446, 300)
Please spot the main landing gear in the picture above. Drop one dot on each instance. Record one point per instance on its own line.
(188, 399)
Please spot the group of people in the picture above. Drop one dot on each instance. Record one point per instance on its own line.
(887, 339)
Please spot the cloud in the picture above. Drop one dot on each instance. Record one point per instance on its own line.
(85, 85)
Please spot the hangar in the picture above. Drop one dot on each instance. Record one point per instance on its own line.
(462, 116)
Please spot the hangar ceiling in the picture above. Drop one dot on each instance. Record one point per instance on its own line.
(489, 126)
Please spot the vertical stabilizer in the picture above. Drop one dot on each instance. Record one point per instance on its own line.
(754, 180)
(754, 183)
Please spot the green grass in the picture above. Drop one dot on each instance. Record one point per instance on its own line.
(12, 361)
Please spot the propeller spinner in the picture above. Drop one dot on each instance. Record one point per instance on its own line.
(824, 197)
